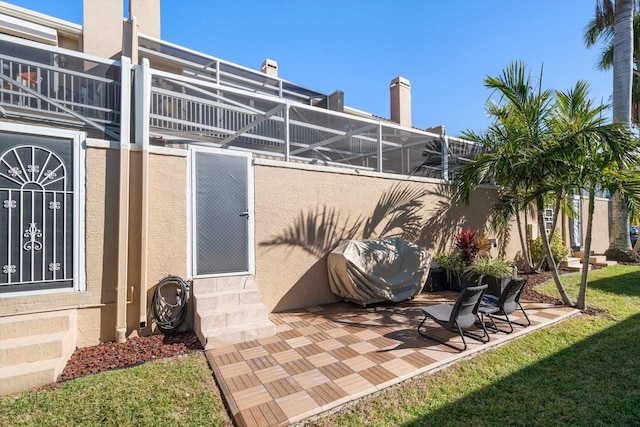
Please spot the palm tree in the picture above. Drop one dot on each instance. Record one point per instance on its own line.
(600, 30)
(615, 22)
(597, 155)
(517, 155)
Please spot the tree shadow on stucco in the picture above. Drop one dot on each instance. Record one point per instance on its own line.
(442, 222)
(318, 231)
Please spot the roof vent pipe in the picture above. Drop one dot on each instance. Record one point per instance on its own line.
(270, 67)
(401, 101)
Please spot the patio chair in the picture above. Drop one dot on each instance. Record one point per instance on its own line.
(458, 317)
(504, 305)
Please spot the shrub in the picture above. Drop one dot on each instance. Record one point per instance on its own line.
(450, 262)
(496, 267)
(470, 244)
(558, 249)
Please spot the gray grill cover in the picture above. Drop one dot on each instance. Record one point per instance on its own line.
(370, 271)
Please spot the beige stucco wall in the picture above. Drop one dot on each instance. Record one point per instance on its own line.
(601, 225)
(166, 227)
(102, 27)
(167, 243)
(147, 13)
(303, 211)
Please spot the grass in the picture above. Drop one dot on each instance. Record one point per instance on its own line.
(583, 371)
(169, 392)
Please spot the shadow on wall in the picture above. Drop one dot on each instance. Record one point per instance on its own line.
(397, 213)
(419, 213)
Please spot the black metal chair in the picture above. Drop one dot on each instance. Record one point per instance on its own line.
(507, 303)
(458, 317)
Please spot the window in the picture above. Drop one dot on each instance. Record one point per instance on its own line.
(41, 210)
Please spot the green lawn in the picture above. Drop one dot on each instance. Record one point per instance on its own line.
(169, 392)
(584, 371)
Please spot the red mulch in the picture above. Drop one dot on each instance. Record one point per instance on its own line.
(111, 355)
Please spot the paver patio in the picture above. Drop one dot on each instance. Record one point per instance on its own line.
(325, 356)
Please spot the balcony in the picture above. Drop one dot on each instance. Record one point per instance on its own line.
(190, 97)
(59, 87)
(200, 98)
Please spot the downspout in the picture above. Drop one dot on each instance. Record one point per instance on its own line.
(123, 202)
(143, 103)
(142, 137)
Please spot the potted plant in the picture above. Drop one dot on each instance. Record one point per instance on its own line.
(494, 272)
(453, 266)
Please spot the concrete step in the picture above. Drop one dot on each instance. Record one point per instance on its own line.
(571, 263)
(605, 263)
(229, 310)
(215, 284)
(228, 298)
(222, 317)
(35, 348)
(19, 378)
(600, 260)
(221, 337)
(26, 325)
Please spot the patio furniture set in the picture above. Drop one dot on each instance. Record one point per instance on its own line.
(471, 307)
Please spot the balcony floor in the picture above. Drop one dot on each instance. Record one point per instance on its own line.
(326, 356)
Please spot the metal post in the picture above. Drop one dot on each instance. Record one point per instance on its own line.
(285, 123)
(445, 158)
(379, 166)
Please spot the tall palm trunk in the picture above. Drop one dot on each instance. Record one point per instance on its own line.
(547, 252)
(581, 303)
(622, 84)
(524, 242)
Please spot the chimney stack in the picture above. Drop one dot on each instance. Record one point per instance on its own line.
(270, 67)
(401, 101)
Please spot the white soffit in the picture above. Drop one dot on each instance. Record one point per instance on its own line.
(28, 30)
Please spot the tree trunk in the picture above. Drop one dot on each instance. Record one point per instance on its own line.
(622, 84)
(547, 252)
(524, 244)
(582, 294)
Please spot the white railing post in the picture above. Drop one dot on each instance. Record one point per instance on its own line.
(379, 166)
(287, 136)
(445, 158)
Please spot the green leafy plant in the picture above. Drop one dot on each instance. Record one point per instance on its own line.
(486, 266)
(558, 249)
(450, 262)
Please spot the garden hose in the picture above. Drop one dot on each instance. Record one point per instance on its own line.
(169, 316)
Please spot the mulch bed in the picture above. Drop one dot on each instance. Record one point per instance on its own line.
(111, 355)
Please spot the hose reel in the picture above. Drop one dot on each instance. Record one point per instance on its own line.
(169, 303)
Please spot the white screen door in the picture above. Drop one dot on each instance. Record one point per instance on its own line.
(222, 212)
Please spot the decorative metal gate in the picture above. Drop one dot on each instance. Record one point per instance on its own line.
(36, 213)
(222, 205)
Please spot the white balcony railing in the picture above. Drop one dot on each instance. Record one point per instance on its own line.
(60, 86)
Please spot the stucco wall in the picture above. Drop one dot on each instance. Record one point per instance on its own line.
(601, 225)
(167, 243)
(303, 211)
(166, 226)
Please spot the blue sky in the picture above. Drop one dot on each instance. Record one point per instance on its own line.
(445, 48)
